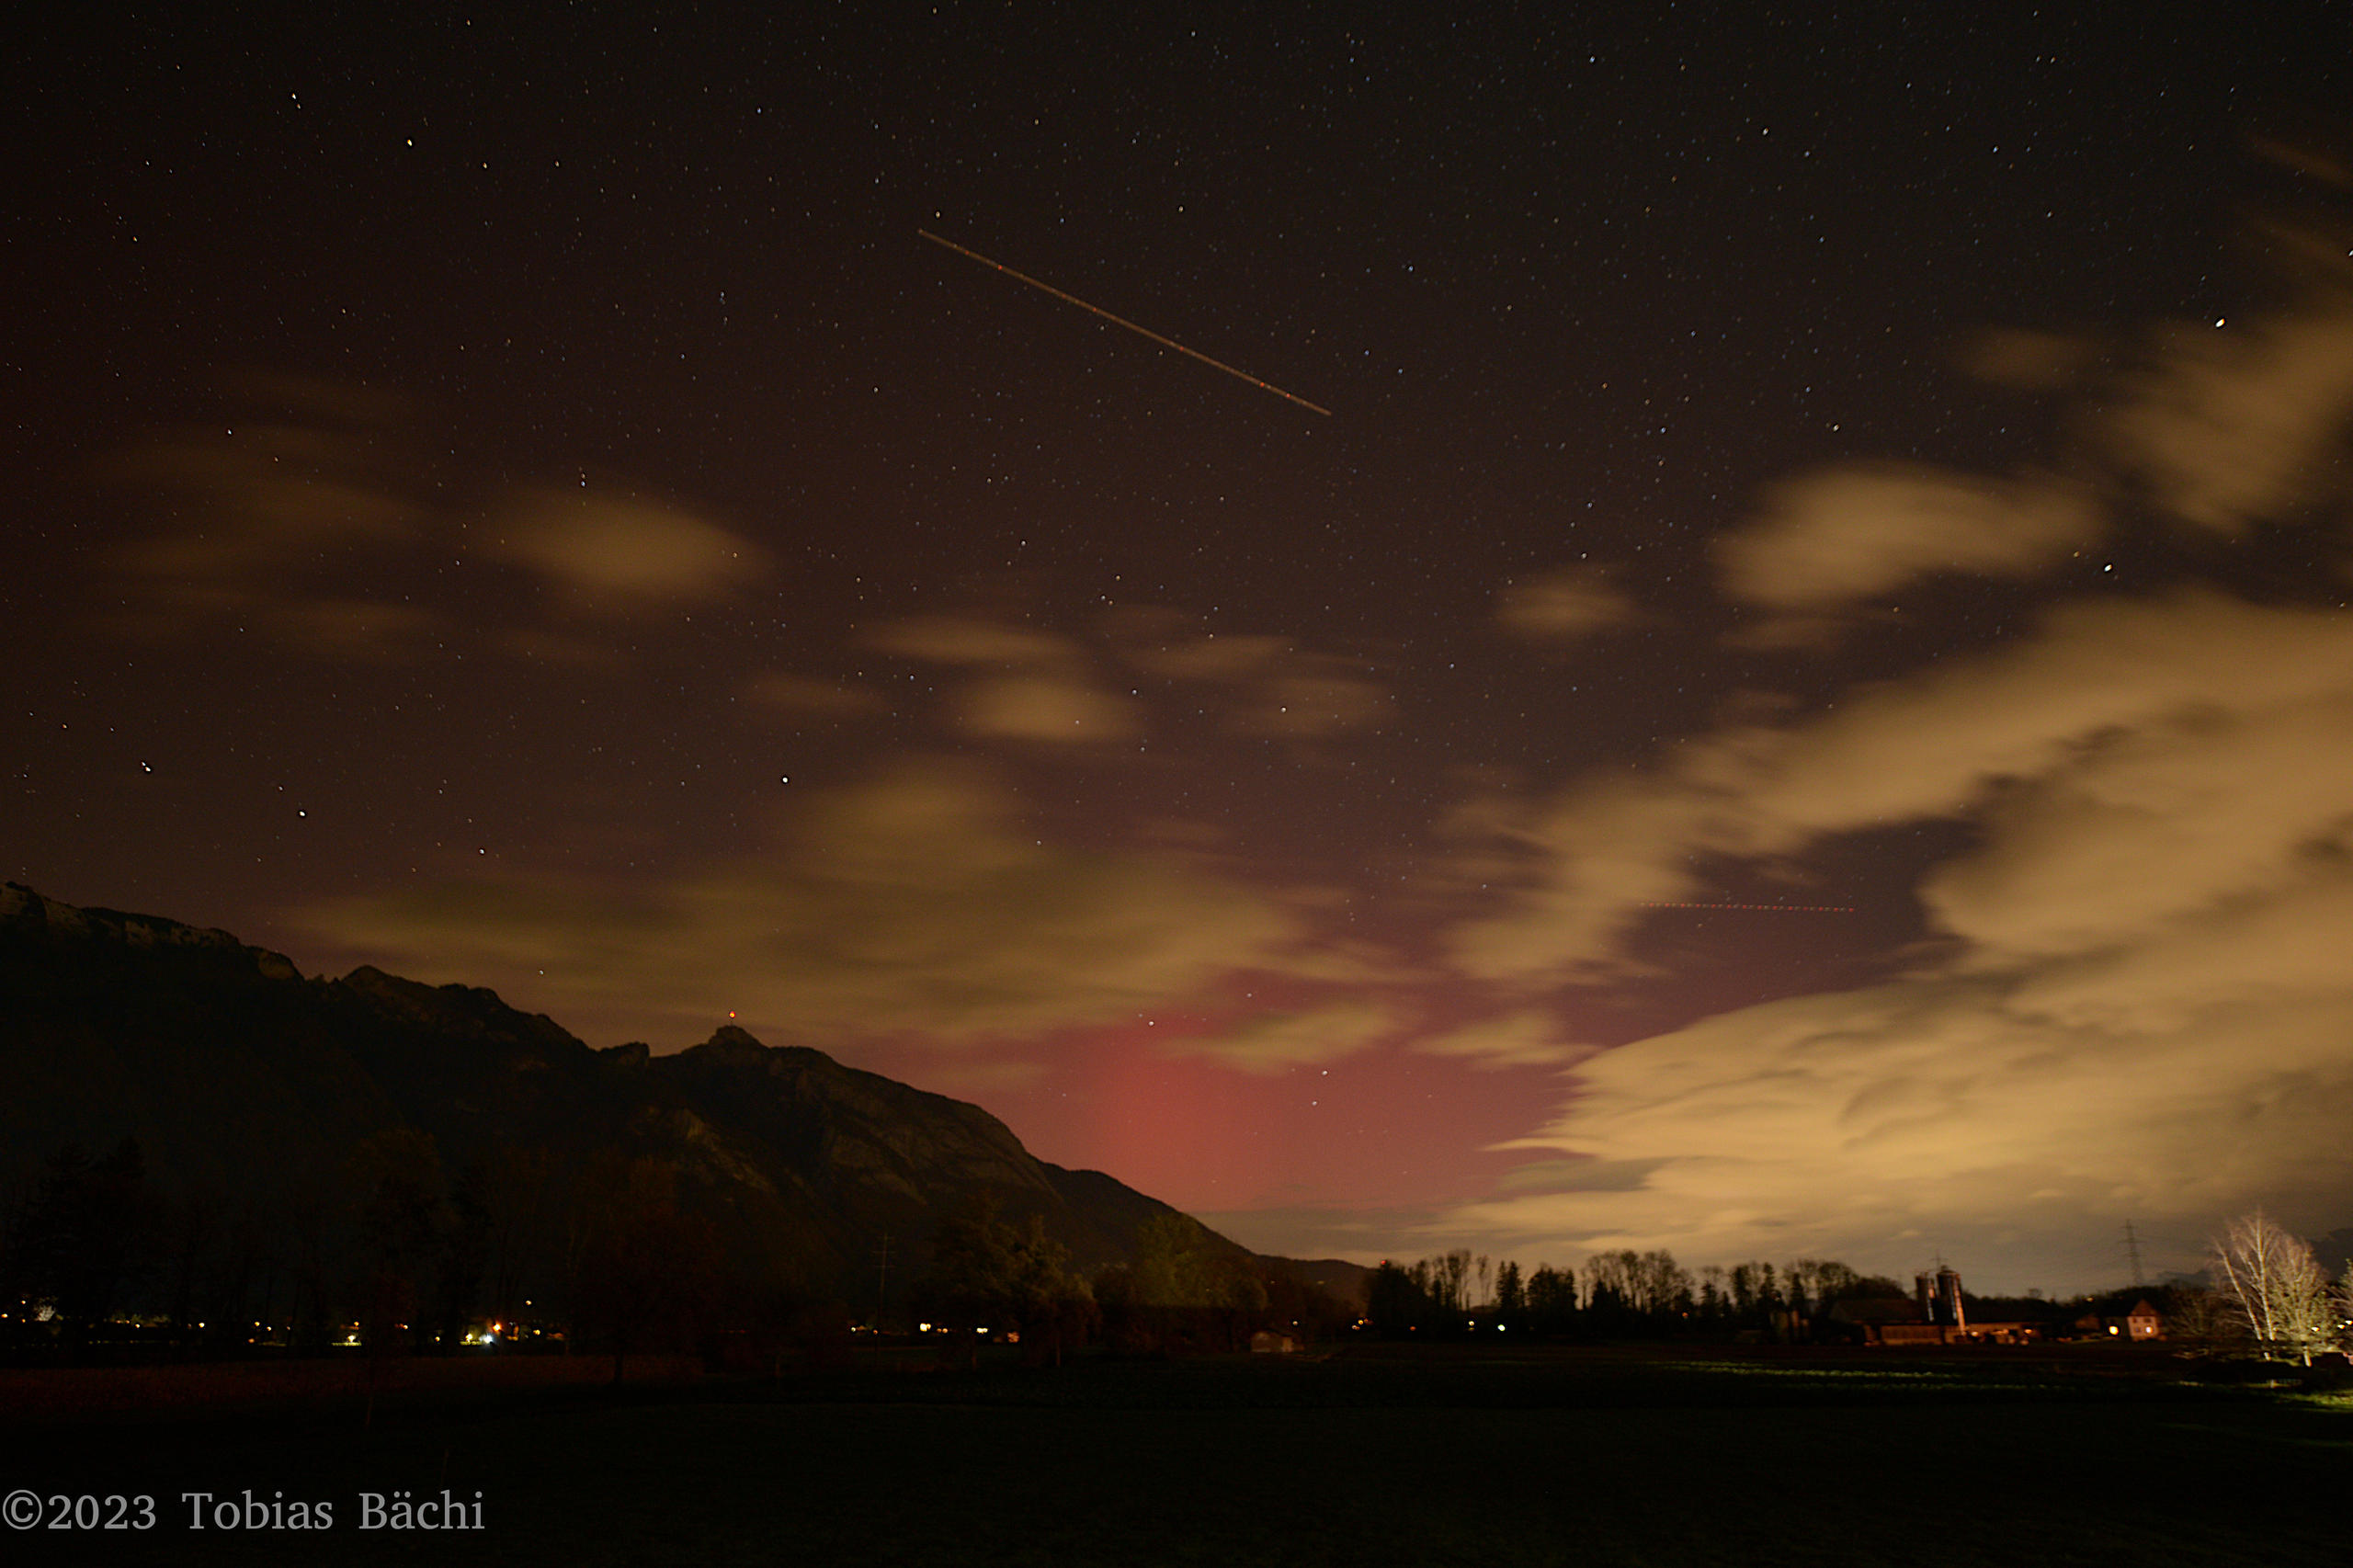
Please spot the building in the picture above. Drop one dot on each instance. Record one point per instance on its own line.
(2143, 1321)
(1934, 1315)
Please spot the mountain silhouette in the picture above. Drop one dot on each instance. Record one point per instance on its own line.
(249, 1088)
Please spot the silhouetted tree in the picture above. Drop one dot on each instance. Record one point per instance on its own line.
(1449, 1282)
(402, 1221)
(521, 1195)
(986, 1276)
(647, 1268)
(1553, 1301)
(1511, 1297)
(79, 1239)
(1396, 1302)
(465, 1257)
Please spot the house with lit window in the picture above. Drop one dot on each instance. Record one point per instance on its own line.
(2143, 1322)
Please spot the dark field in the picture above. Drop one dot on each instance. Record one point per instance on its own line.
(1423, 1456)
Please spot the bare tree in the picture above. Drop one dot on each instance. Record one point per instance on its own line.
(2275, 1287)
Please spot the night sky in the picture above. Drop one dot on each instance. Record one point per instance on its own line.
(1800, 702)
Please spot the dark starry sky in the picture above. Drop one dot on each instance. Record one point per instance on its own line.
(516, 500)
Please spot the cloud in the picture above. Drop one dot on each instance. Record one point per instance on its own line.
(2142, 1011)
(916, 904)
(1053, 708)
(2141, 1007)
(1835, 537)
(1040, 686)
(1565, 606)
(1879, 1126)
(1596, 856)
(1513, 1039)
(2227, 427)
(286, 526)
(1276, 1042)
(1269, 687)
(2181, 816)
(1310, 696)
(2102, 701)
(325, 525)
(620, 556)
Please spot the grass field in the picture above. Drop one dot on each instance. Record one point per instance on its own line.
(1429, 1455)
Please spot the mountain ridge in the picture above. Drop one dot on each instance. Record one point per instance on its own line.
(250, 1085)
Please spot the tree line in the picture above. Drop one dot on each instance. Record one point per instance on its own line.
(2267, 1295)
(1625, 1293)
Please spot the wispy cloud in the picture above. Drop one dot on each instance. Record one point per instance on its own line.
(1833, 538)
(1565, 606)
(324, 523)
(618, 555)
(2231, 422)
(1526, 1039)
(914, 904)
(1260, 685)
(1276, 1042)
(284, 525)
(1021, 683)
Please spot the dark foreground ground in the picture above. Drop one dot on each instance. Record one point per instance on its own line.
(1372, 1457)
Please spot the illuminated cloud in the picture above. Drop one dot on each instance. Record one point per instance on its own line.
(284, 526)
(1841, 536)
(1265, 685)
(1592, 859)
(1882, 1126)
(2142, 1009)
(616, 555)
(1565, 606)
(323, 524)
(1277, 1042)
(1515, 1039)
(1312, 695)
(2232, 425)
(1050, 707)
(1040, 686)
(2123, 699)
(2186, 815)
(915, 904)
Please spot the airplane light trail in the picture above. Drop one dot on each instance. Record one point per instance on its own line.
(1768, 908)
(1122, 321)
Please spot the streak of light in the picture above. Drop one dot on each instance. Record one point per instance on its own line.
(1766, 908)
(1122, 321)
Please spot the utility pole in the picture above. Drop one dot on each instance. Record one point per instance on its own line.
(882, 1277)
(2132, 1254)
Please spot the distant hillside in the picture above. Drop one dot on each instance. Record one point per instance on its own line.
(249, 1089)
